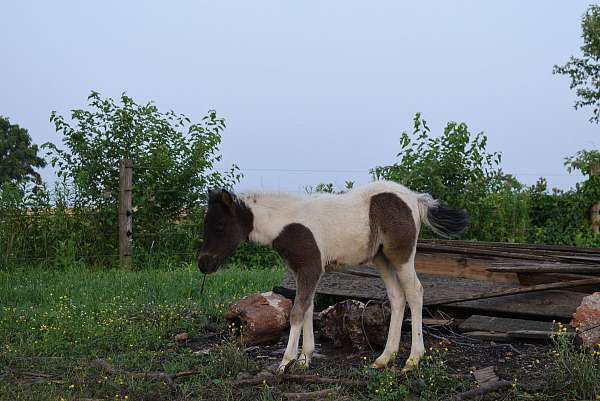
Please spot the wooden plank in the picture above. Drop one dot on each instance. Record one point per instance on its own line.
(547, 268)
(502, 325)
(543, 278)
(488, 336)
(513, 254)
(518, 290)
(535, 334)
(516, 245)
(451, 265)
(547, 306)
(485, 376)
(345, 285)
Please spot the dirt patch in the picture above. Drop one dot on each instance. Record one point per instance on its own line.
(528, 363)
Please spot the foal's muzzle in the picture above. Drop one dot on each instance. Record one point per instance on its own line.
(208, 263)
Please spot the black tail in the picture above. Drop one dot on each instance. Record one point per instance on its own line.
(442, 219)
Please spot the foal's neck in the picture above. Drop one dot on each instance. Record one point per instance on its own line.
(271, 212)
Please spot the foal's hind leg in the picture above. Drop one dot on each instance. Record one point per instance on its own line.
(413, 290)
(397, 304)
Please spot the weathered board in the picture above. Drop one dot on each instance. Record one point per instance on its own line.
(364, 284)
(502, 325)
(547, 305)
(367, 285)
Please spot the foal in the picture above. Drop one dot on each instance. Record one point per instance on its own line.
(375, 224)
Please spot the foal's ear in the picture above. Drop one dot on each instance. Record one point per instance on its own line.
(227, 199)
(214, 195)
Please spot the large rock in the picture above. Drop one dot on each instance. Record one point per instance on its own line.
(587, 320)
(262, 317)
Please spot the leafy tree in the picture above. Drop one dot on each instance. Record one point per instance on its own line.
(448, 167)
(173, 158)
(18, 156)
(584, 161)
(585, 70)
(456, 168)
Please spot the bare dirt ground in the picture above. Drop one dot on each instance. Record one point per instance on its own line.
(525, 363)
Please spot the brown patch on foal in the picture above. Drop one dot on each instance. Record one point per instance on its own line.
(393, 227)
(297, 246)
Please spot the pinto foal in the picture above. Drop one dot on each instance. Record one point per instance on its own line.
(375, 224)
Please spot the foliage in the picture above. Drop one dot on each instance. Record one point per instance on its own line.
(329, 188)
(174, 159)
(76, 221)
(447, 166)
(456, 168)
(563, 217)
(584, 161)
(584, 71)
(18, 156)
(576, 373)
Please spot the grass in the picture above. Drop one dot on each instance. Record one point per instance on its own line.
(54, 323)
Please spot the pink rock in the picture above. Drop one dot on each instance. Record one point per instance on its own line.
(587, 319)
(262, 317)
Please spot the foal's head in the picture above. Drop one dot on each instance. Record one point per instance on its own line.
(227, 223)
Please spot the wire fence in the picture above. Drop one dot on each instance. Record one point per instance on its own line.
(61, 231)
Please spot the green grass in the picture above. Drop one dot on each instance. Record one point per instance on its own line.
(53, 324)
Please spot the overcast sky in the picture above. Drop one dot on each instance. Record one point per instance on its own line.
(313, 91)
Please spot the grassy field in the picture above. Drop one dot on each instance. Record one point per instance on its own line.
(55, 324)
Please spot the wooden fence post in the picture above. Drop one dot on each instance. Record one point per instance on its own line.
(125, 212)
(595, 170)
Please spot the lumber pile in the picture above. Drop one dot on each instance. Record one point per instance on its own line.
(503, 291)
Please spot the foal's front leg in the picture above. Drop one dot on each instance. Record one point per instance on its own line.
(301, 318)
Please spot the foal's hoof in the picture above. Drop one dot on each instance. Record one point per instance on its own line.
(379, 364)
(383, 360)
(285, 365)
(304, 361)
(411, 364)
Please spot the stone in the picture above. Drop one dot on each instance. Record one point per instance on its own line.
(586, 320)
(181, 338)
(261, 318)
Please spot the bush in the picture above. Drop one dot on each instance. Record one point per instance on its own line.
(174, 165)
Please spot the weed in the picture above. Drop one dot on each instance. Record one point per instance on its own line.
(576, 373)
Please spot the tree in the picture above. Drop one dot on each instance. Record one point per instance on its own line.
(173, 158)
(585, 71)
(454, 166)
(18, 157)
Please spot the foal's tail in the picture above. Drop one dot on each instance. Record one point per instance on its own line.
(443, 220)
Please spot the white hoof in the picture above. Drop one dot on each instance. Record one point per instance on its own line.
(284, 364)
(411, 363)
(381, 362)
(304, 360)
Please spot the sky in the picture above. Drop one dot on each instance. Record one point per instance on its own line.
(312, 91)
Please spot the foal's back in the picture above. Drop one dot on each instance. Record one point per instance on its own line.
(342, 224)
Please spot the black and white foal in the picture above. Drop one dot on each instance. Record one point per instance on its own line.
(376, 224)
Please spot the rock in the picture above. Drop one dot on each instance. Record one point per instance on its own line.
(587, 320)
(353, 323)
(262, 318)
(181, 338)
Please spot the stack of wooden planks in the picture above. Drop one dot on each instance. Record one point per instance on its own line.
(510, 290)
